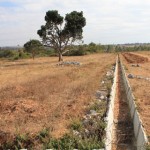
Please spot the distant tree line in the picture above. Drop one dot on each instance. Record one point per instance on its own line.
(31, 50)
(34, 48)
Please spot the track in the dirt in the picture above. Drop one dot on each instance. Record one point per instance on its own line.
(123, 128)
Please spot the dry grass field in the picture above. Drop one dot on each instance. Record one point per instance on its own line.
(144, 53)
(38, 93)
(141, 87)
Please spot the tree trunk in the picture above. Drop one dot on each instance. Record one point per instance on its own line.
(60, 56)
(33, 55)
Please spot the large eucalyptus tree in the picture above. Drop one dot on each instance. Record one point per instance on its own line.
(59, 32)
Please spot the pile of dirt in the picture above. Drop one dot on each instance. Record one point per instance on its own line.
(133, 58)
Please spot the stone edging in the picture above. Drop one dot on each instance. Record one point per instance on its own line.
(110, 112)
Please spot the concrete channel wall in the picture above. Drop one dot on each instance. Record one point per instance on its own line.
(139, 132)
(110, 112)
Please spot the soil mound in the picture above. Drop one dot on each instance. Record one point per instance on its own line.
(133, 58)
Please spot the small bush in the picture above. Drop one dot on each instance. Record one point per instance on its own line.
(77, 52)
(76, 125)
(43, 134)
(70, 142)
(148, 147)
(7, 53)
(19, 142)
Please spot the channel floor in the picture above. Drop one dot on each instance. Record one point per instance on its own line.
(123, 137)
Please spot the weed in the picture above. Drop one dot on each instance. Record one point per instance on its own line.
(76, 124)
(20, 141)
(43, 134)
(147, 147)
(70, 142)
(99, 107)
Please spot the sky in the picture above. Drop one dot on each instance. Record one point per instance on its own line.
(107, 21)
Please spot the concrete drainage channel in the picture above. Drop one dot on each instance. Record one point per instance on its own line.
(124, 129)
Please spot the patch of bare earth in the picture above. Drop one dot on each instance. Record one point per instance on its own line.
(47, 95)
(141, 89)
(134, 58)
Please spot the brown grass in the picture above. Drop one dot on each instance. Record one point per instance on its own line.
(141, 90)
(37, 94)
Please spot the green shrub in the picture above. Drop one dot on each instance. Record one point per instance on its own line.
(77, 52)
(148, 147)
(7, 53)
(70, 142)
(76, 124)
(43, 134)
(19, 142)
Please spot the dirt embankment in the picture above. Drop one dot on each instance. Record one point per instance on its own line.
(133, 58)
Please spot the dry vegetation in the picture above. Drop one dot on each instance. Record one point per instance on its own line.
(141, 88)
(37, 94)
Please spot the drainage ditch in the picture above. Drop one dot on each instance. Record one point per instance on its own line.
(123, 135)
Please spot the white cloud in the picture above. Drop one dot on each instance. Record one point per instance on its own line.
(108, 21)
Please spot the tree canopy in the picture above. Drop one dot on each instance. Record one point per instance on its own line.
(59, 32)
(33, 47)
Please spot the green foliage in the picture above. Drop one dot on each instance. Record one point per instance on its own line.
(19, 142)
(44, 133)
(67, 142)
(70, 142)
(59, 37)
(147, 147)
(33, 47)
(74, 24)
(77, 51)
(47, 52)
(14, 54)
(132, 48)
(80, 50)
(99, 107)
(76, 125)
(7, 53)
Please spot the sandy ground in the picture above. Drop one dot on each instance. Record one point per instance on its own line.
(141, 88)
(37, 94)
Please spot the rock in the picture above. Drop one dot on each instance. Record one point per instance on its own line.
(86, 131)
(85, 117)
(148, 79)
(113, 68)
(76, 132)
(85, 122)
(139, 77)
(106, 119)
(115, 121)
(70, 63)
(88, 116)
(135, 65)
(99, 100)
(93, 112)
(109, 73)
(101, 94)
(102, 97)
(131, 76)
(102, 82)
